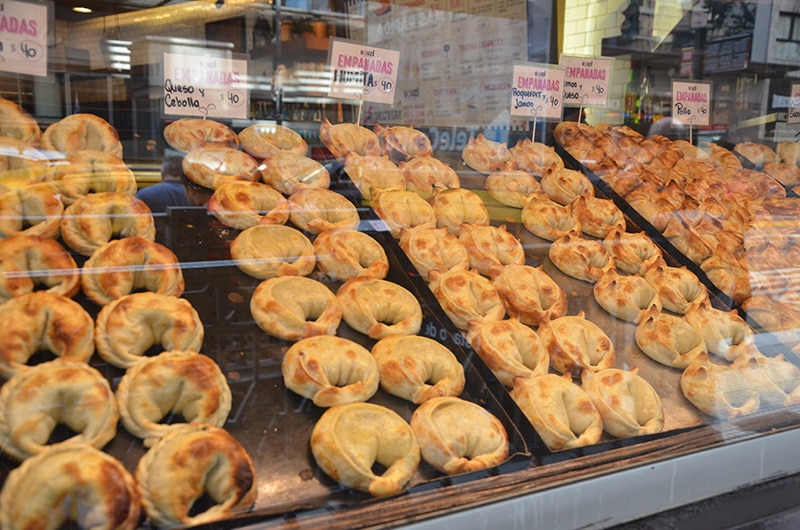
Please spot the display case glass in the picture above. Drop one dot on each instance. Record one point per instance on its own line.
(402, 263)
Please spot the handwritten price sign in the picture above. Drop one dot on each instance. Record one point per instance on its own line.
(23, 38)
(206, 87)
(585, 81)
(691, 102)
(793, 114)
(362, 72)
(537, 92)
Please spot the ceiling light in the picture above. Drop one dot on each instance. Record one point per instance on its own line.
(79, 9)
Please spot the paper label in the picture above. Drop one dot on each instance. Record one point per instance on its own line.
(23, 38)
(691, 102)
(362, 72)
(793, 114)
(536, 92)
(201, 86)
(586, 81)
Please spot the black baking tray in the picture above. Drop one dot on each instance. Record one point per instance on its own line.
(271, 422)
(769, 343)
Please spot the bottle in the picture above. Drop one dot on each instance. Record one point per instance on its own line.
(630, 115)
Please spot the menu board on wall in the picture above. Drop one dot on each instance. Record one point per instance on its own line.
(456, 57)
(205, 87)
(23, 38)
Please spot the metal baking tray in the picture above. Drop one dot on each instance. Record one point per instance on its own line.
(770, 343)
(272, 423)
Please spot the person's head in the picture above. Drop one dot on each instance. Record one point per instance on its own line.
(171, 168)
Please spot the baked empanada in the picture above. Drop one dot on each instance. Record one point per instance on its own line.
(576, 344)
(584, 259)
(669, 339)
(625, 297)
(529, 293)
(509, 348)
(629, 405)
(465, 296)
(562, 413)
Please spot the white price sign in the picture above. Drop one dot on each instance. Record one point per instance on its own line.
(536, 92)
(793, 114)
(691, 102)
(586, 81)
(23, 38)
(362, 72)
(208, 87)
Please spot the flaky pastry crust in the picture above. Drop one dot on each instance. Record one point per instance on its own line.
(31, 210)
(17, 123)
(679, 288)
(598, 217)
(625, 297)
(564, 185)
(491, 247)
(426, 176)
(534, 157)
(89, 171)
(546, 218)
(584, 259)
(717, 390)
(776, 380)
(512, 187)
(633, 252)
(484, 155)
(402, 209)
(368, 172)
(725, 333)
(403, 143)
